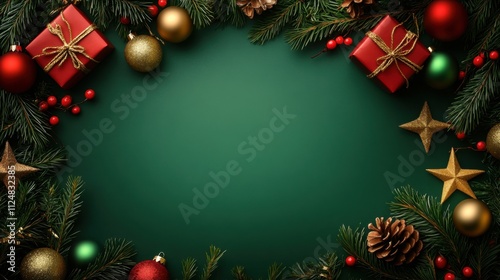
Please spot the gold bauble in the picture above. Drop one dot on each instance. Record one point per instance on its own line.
(43, 264)
(493, 141)
(472, 217)
(174, 24)
(143, 53)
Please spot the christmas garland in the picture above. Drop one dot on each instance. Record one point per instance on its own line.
(422, 239)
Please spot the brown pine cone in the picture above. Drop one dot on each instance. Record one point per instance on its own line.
(249, 7)
(356, 8)
(394, 242)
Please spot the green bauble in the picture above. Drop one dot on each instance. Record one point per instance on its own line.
(441, 70)
(84, 252)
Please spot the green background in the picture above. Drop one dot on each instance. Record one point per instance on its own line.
(325, 169)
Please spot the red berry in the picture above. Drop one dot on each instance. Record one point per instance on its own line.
(467, 272)
(66, 101)
(449, 276)
(460, 135)
(478, 61)
(89, 94)
(331, 44)
(350, 261)
(481, 145)
(75, 110)
(52, 101)
(481, 54)
(162, 3)
(125, 20)
(461, 75)
(339, 40)
(54, 120)
(153, 10)
(494, 55)
(348, 41)
(43, 106)
(440, 262)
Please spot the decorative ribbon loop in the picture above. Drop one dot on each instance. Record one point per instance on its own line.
(395, 54)
(68, 49)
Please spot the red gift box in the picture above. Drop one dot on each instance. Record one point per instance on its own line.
(390, 54)
(69, 47)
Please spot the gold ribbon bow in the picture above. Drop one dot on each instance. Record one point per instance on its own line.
(395, 54)
(68, 49)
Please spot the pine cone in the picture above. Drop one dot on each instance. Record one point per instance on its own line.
(356, 8)
(249, 7)
(394, 242)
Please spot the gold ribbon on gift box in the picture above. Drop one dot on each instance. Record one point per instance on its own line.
(397, 54)
(68, 49)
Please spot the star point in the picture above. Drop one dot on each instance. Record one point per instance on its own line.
(455, 178)
(425, 126)
(19, 170)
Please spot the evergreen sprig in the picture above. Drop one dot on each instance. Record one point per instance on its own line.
(327, 267)
(212, 260)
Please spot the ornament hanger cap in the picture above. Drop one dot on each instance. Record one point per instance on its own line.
(160, 258)
(130, 36)
(16, 48)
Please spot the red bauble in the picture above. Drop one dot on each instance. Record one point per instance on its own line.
(125, 20)
(481, 145)
(162, 3)
(75, 110)
(153, 10)
(331, 44)
(350, 261)
(54, 120)
(348, 41)
(494, 55)
(52, 101)
(449, 276)
(89, 94)
(148, 270)
(467, 272)
(43, 106)
(445, 20)
(17, 72)
(339, 40)
(460, 135)
(440, 262)
(461, 75)
(66, 101)
(478, 61)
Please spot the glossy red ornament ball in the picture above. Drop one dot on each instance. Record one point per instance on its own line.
(449, 276)
(460, 135)
(440, 262)
(52, 101)
(89, 94)
(75, 110)
(331, 45)
(348, 41)
(148, 270)
(494, 55)
(66, 101)
(445, 20)
(481, 54)
(125, 20)
(461, 75)
(54, 120)
(481, 146)
(153, 10)
(478, 61)
(17, 72)
(339, 40)
(43, 106)
(350, 261)
(162, 3)
(467, 272)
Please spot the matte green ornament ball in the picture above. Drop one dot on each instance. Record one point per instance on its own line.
(85, 252)
(441, 70)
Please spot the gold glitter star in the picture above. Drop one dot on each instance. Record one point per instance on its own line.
(9, 163)
(425, 126)
(455, 178)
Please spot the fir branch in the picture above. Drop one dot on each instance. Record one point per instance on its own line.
(106, 12)
(327, 267)
(114, 263)
(189, 269)
(275, 271)
(15, 19)
(212, 259)
(239, 273)
(200, 11)
(227, 12)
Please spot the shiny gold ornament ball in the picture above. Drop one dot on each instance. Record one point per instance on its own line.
(493, 141)
(43, 264)
(174, 24)
(143, 53)
(472, 217)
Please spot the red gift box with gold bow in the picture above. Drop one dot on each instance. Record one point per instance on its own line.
(390, 54)
(69, 47)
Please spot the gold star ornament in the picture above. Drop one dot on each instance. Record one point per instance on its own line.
(455, 178)
(11, 170)
(425, 126)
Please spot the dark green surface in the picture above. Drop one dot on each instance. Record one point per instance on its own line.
(325, 169)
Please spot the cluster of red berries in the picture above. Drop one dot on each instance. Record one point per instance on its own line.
(480, 146)
(339, 40)
(478, 61)
(440, 262)
(66, 104)
(152, 9)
